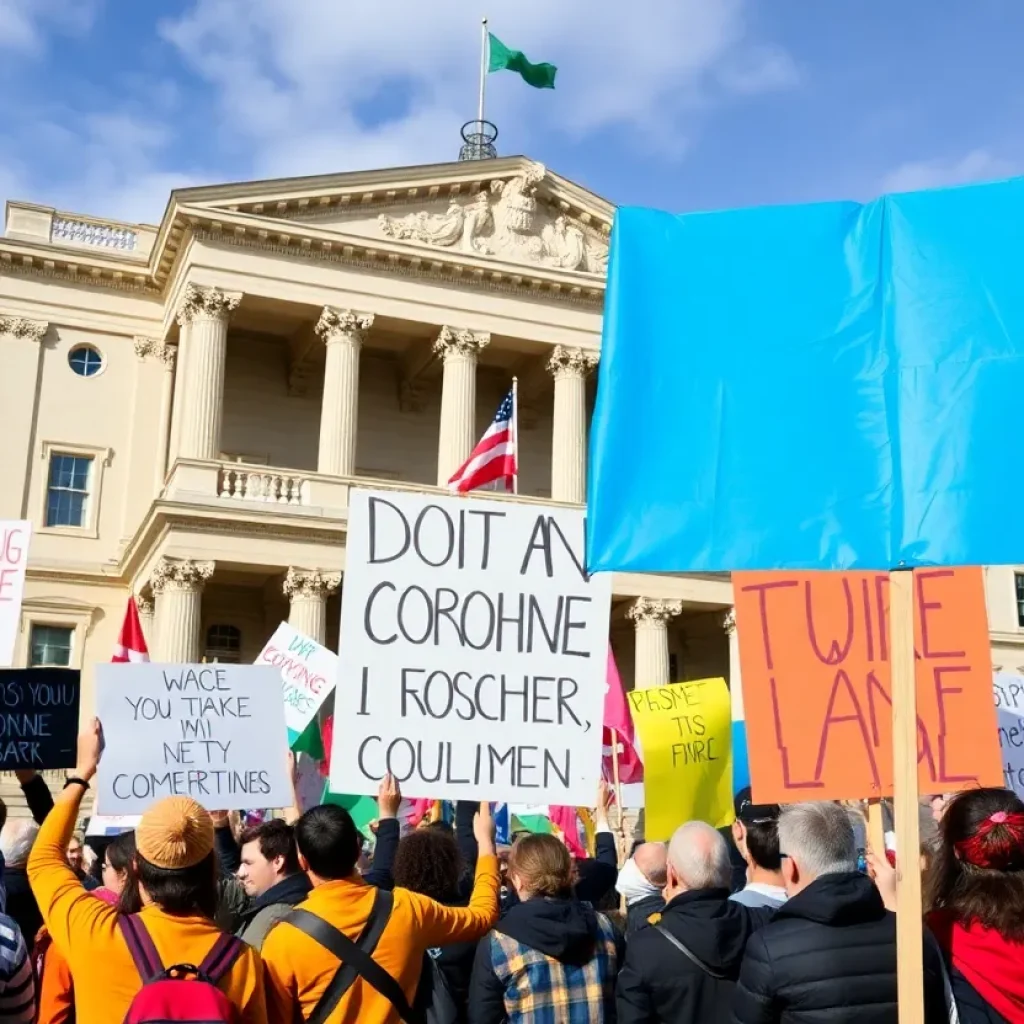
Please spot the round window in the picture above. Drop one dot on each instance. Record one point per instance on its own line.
(85, 361)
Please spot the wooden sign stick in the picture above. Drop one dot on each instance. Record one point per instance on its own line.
(909, 933)
(876, 827)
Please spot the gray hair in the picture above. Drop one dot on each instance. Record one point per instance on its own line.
(819, 837)
(700, 857)
(16, 839)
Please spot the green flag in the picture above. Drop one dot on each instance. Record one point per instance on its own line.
(540, 76)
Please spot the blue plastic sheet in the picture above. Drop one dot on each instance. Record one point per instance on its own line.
(829, 386)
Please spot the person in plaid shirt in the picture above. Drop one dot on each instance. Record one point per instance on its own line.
(551, 958)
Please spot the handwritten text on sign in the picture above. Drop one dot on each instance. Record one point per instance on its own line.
(212, 732)
(14, 538)
(308, 674)
(473, 651)
(38, 718)
(1009, 694)
(686, 731)
(814, 650)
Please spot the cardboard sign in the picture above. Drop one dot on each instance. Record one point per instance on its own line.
(14, 538)
(308, 673)
(686, 731)
(112, 824)
(814, 652)
(215, 733)
(39, 718)
(1008, 690)
(473, 651)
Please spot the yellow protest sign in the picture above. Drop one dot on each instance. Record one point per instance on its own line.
(686, 734)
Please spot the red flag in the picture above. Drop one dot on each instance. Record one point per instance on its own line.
(566, 820)
(617, 717)
(131, 644)
(327, 738)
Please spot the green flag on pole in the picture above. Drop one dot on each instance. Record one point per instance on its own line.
(540, 76)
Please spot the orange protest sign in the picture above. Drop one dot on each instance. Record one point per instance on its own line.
(814, 654)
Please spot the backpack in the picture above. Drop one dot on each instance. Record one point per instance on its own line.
(434, 1000)
(182, 992)
(356, 960)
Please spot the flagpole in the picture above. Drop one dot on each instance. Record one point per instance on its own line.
(515, 380)
(617, 782)
(483, 69)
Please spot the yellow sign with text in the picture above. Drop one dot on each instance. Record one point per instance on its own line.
(686, 734)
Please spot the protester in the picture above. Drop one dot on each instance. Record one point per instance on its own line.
(16, 840)
(404, 925)
(756, 834)
(641, 882)
(77, 861)
(177, 877)
(684, 967)
(975, 894)
(17, 980)
(551, 956)
(829, 953)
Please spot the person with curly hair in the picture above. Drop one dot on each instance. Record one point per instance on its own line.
(974, 892)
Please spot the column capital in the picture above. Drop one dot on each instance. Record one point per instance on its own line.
(180, 574)
(310, 584)
(144, 606)
(206, 304)
(729, 621)
(572, 362)
(336, 324)
(22, 327)
(454, 341)
(649, 611)
(146, 347)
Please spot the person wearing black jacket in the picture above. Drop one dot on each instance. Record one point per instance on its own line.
(683, 966)
(829, 954)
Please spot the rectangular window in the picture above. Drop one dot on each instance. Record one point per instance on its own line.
(1018, 579)
(50, 646)
(67, 493)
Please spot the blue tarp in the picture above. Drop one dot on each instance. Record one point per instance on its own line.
(826, 386)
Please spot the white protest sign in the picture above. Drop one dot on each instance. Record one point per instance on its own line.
(473, 651)
(112, 824)
(1009, 695)
(212, 732)
(14, 537)
(308, 673)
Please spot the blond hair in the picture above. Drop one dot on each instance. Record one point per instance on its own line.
(542, 865)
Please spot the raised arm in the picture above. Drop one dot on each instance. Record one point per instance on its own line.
(37, 794)
(389, 832)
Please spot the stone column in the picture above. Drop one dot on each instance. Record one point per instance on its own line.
(735, 678)
(308, 590)
(459, 350)
(204, 313)
(146, 620)
(342, 331)
(650, 619)
(168, 356)
(570, 367)
(178, 587)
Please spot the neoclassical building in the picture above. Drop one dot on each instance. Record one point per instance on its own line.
(186, 407)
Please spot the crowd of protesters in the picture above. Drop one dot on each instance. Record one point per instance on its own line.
(190, 917)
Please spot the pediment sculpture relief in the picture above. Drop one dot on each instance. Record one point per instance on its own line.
(502, 222)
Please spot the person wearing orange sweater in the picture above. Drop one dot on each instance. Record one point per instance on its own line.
(177, 874)
(299, 969)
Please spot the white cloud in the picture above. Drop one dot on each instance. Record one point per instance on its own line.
(977, 165)
(24, 23)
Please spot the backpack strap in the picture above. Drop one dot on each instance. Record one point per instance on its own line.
(355, 959)
(689, 954)
(226, 950)
(140, 945)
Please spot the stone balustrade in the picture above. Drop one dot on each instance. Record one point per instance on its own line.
(246, 484)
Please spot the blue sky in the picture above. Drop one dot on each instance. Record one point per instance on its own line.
(681, 104)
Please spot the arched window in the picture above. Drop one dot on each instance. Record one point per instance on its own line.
(224, 644)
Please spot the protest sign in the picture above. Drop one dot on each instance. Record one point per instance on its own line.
(14, 537)
(1008, 690)
(473, 650)
(112, 824)
(686, 732)
(212, 732)
(815, 658)
(308, 673)
(38, 718)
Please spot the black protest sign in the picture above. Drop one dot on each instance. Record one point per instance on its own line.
(39, 718)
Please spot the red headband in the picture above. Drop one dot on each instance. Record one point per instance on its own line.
(998, 843)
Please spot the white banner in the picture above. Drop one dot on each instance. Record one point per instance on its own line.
(15, 535)
(473, 651)
(215, 733)
(1009, 694)
(308, 673)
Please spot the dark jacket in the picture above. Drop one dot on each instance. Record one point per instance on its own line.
(659, 983)
(262, 913)
(638, 914)
(514, 979)
(21, 904)
(829, 956)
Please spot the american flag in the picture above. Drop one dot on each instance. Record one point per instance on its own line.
(492, 463)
